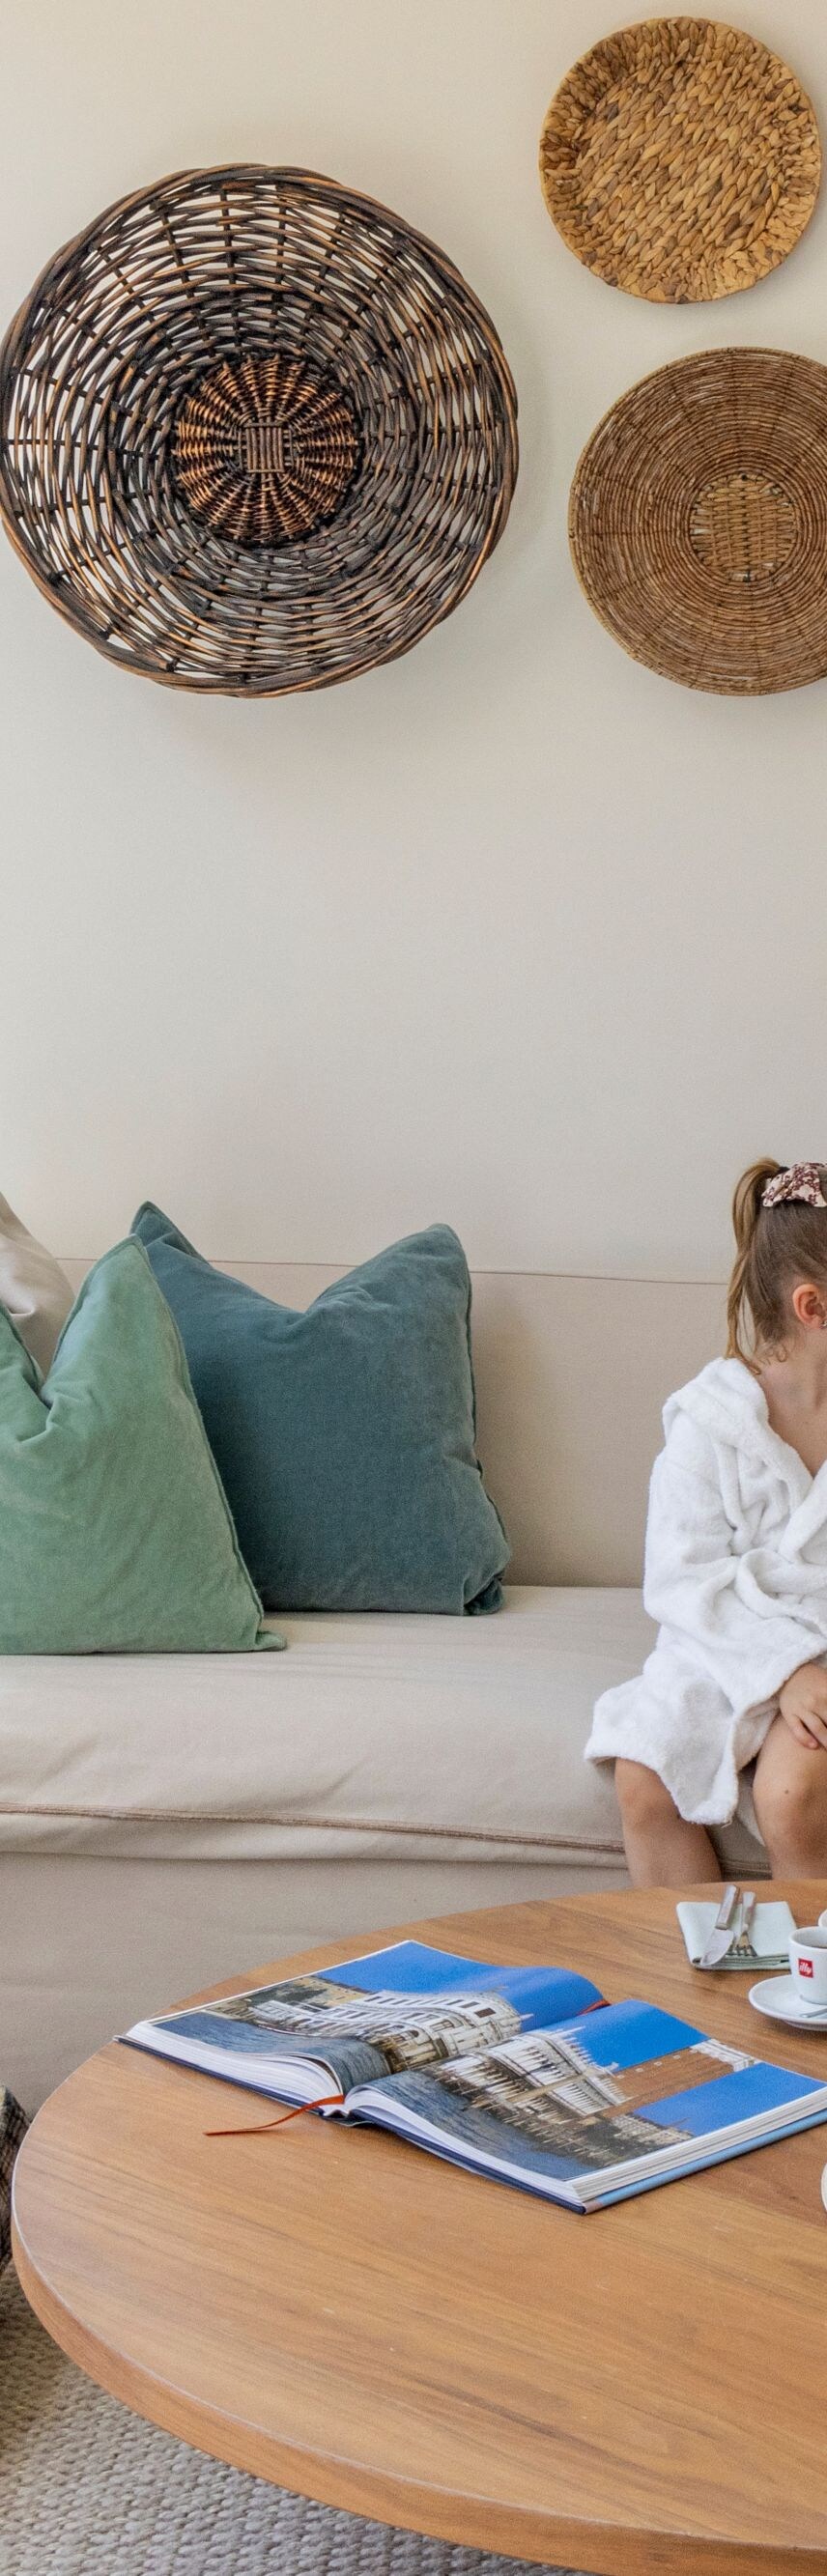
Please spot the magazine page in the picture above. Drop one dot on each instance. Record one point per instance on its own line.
(364, 2020)
(597, 2107)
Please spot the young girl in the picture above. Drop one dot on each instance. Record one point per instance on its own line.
(730, 1712)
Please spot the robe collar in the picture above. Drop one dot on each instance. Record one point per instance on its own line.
(728, 1402)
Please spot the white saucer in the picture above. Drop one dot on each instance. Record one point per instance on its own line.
(780, 1997)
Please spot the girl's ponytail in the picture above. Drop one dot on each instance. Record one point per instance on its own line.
(777, 1246)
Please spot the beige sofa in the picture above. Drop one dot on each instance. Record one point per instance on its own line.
(171, 1819)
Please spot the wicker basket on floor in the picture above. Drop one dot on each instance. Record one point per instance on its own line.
(13, 2126)
(680, 160)
(698, 521)
(256, 435)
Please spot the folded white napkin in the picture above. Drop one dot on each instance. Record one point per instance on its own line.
(769, 1935)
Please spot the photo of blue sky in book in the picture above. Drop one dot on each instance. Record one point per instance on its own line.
(401, 2007)
(596, 2092)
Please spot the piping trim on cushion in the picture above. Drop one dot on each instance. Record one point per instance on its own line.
(320, 1824)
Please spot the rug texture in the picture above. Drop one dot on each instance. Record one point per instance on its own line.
(86, 2489)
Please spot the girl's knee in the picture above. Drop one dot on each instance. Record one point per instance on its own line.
(790, 1796)
(643, 1799)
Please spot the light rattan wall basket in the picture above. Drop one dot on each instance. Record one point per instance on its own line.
(256, 435)
(680, 160)
(698, 521)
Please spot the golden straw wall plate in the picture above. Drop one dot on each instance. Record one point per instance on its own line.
(256, 435)
(680, 160)
(698, 521)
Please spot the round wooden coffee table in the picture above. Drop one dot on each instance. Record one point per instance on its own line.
(643, 2390)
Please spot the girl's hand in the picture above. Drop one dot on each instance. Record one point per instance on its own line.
(803, 1706)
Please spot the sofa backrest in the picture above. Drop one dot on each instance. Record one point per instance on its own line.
(571, 1378)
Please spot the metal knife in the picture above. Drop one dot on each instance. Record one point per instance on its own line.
(723, 1930)
(748, 1903)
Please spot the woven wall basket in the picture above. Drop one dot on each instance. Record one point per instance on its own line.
(698, 521)
(255, 434)
(680, 160)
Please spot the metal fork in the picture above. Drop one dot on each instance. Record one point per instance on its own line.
(743, 1938)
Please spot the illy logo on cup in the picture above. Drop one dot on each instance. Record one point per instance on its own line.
(808, 1960)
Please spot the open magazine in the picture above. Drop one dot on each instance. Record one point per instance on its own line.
(525, 2074)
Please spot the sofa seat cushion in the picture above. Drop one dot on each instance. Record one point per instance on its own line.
(397, 1737)
(372, 1730)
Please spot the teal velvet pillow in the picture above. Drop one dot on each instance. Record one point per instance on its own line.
(116, 1536)
(344, 1436)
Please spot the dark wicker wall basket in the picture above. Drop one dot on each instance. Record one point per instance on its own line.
(256, 435)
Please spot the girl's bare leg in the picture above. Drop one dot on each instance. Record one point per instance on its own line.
(661, 1848)
(790, 1792)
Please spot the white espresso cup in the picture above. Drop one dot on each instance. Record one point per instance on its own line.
(808, 1962)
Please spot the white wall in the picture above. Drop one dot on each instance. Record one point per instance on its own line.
(512, 932)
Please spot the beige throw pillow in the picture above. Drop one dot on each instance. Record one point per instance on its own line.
(34, 1290)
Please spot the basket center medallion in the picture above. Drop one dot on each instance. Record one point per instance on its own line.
(263, 451)
(742, 527)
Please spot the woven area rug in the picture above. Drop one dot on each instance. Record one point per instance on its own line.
(87, 2489)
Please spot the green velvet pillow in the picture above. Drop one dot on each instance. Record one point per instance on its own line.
(116, 1535)
(344, 1436)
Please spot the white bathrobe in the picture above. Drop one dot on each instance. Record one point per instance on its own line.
(736, 1574)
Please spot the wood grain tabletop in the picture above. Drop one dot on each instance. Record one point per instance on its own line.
(641, 2390)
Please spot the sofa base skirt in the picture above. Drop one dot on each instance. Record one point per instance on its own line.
(88, 1946)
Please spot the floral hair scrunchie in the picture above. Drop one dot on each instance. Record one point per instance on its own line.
(800, 1181)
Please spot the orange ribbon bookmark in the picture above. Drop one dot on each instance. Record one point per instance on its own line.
(325, 2101)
